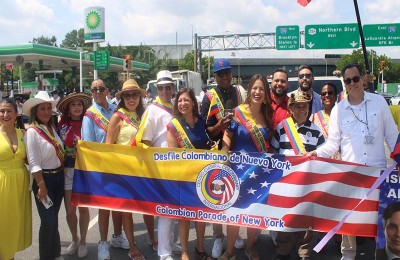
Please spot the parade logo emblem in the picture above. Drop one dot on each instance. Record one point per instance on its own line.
(217, 186)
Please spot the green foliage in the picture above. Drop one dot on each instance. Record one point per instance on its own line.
(46, 40)
(391, 71)
(74, 39)
(187, 63)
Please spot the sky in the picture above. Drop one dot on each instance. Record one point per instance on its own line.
(155, 22)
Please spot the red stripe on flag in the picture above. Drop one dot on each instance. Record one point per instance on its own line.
(324, 199)
(348, 178)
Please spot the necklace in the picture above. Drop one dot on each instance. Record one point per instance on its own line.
(366, 117)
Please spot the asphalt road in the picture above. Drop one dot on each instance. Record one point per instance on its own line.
(264, 245)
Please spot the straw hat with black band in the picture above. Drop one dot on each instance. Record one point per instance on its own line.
(130, 85)
(86, 100)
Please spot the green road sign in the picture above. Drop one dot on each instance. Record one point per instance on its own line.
(287, 37)
(382, 34)
(101, 60)
(332, 36)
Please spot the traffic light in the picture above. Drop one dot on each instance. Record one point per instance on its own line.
(128, 64)
(382, 65)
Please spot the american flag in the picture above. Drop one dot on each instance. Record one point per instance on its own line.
(313, 194)
(228, 186)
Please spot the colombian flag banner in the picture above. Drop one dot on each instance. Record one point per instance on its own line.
(268, 191)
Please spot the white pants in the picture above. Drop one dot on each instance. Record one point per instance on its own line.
(349, 247)
(165, 236)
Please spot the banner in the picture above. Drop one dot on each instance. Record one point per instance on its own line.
(389, 199)
(267, 191)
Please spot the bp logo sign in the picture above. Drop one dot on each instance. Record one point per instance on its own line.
(94, 24)
(93, 20)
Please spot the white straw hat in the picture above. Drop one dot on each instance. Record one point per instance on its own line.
(40, 97)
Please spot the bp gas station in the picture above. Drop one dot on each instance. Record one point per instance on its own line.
(50, 61)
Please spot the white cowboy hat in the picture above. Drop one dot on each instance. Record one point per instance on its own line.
(40, 97)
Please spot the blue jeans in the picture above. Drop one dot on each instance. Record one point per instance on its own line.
(49, 238)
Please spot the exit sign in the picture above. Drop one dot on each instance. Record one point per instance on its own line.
(287, 37)
(382, 34)
(332, 36)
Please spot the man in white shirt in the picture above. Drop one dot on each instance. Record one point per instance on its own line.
(359, 126)
(154, 133)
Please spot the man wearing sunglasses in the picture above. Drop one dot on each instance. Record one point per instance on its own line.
(153, 132)
(306, 80)
(359, 126)
(214, 109)
(94, 129)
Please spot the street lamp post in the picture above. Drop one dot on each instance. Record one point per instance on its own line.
(81, 69)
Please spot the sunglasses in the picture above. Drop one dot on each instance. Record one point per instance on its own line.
(132, 95)
(306, 75)
(223, 73)
(100, 89)
(329, 93)
(167, 88)
(355, 79)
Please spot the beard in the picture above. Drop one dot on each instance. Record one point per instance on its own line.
(305, 87)
(279, 94)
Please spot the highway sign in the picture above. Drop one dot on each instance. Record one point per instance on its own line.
(287, 37)
(332, 36)
(382, 34)
(101, 60)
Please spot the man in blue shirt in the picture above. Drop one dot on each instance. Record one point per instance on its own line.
(94, 129)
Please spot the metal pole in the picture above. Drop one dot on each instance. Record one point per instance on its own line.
(209, 66)
(195, 53)
(80, 71)
(238, 71)
(368, 71)
(95, 75)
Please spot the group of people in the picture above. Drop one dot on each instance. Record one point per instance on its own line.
(268, 120)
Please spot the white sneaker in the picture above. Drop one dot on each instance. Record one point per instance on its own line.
(120, 241)
(166, 257)
(73, 247)
(82, 251)
(103, 252)
(217, 247)
(239, 244)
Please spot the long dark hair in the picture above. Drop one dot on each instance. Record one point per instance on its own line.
(139, 109)
(266, 104)
(33, 118)
(192, 96)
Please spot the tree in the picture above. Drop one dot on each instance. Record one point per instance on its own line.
(187, 63)
(391, 70)
(46, 40)
(74, 39)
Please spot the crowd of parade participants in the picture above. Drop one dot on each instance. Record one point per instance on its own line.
(260, 122)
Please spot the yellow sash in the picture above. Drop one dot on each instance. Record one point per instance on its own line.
(251, 126)
(180, 135)
(294, 137)
(98, 118)
(43, 132)
(137, 141)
